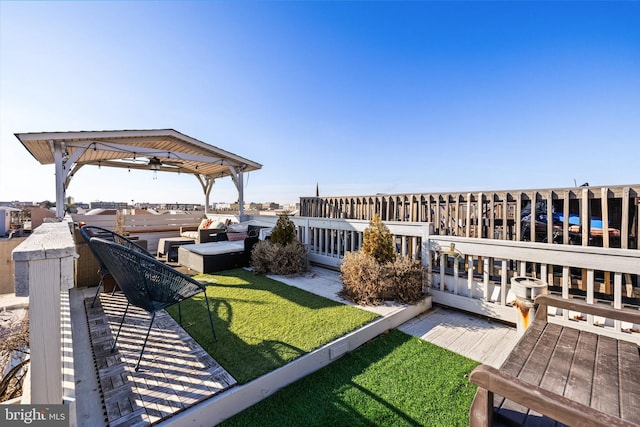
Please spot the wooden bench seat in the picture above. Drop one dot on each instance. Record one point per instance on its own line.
(559, 374)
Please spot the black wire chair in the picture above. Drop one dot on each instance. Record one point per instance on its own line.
(89, 231)
(147, 283)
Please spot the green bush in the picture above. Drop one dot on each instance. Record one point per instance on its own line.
(378, 241)
(268, 257)
(284, 232)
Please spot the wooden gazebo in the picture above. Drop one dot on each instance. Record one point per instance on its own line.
(164, 150)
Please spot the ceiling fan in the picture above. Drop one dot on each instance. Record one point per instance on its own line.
(155, 163)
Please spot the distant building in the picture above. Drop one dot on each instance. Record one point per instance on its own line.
(108, 205)
(271, 206)
(183, 207)
(221, 206)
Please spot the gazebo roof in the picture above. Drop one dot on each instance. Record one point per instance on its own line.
(165, 150)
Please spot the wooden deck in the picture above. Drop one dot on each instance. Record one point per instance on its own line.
(174, 374)
(479, 339)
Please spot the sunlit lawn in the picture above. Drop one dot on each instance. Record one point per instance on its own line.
(263, 324)
(395, 380)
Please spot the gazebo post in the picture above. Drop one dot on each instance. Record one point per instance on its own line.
(61, 176)
(237, 174)
(240, 185)
(207, 184)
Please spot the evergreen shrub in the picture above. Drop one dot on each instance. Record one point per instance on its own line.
(284, 232)
(378, 242)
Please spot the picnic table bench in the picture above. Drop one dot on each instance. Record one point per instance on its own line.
(559, 375)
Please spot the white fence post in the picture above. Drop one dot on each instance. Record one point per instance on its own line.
(43, 271)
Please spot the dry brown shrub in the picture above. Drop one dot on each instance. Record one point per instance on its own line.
(369, 283)
(14, 341)
(404, 279)
(272, 258)
(360, 275)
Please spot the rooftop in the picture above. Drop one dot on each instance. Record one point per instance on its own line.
(172, 379)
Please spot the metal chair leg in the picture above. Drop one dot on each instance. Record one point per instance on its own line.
(98, 290)
(113, 347)
(153, 316)
(210, 320)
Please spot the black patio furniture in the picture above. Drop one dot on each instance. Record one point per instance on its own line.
(89, 231)
(146, 283)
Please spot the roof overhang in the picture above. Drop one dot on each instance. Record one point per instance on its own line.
(164, 150)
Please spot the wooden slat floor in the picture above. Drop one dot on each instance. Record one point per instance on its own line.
(175, 372)
(479, 339)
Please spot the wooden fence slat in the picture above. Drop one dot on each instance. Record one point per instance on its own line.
(624, 229)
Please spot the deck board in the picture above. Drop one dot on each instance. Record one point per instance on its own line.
(579, 382)
(555, 378)
(604, 393)
(629, 360)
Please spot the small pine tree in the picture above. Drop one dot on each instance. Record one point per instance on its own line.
(284, 232)
(378, 241)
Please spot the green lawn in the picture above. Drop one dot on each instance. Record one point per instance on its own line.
(395, 380)
(263, 324)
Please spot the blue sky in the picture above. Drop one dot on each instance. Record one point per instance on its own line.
(359, 97)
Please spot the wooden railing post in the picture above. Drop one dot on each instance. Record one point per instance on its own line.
(43, 272)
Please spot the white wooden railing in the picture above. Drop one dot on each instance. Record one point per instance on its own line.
(44, 273)
(475, 276)
(327, 240)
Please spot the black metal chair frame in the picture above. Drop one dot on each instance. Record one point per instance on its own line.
(147, 283)
(89, 231)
